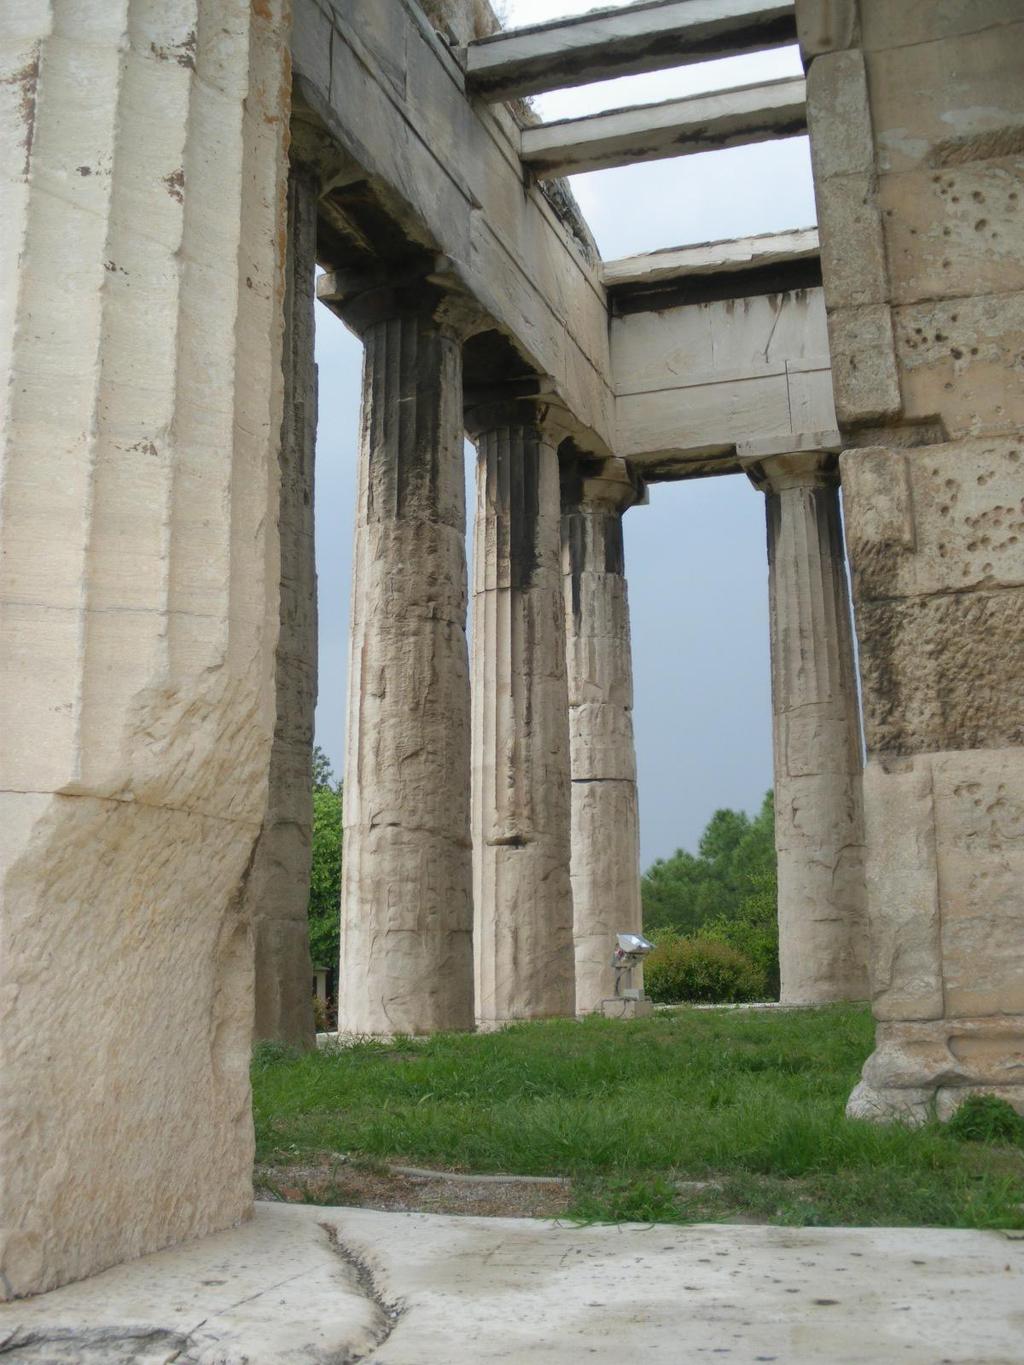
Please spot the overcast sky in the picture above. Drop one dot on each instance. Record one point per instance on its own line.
(698, 574)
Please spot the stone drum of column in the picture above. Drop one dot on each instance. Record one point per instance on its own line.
(406, 933)
(818, 821)
(605, 833)
(277, 892)
(142, 178)
(523, 897)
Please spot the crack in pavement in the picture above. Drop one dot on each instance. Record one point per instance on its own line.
(387, 1315)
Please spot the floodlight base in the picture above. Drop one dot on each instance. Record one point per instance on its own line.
(619, 1007)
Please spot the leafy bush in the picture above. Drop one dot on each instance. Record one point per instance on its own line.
(754, 930)
(985, 1118)
(702, 971)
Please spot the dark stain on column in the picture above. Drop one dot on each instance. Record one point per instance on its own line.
(574, 525)
(614, 555)
(524, 507)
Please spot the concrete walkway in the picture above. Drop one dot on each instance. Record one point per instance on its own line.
(312, 1286)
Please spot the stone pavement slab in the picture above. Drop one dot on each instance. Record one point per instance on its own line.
(336, 1286)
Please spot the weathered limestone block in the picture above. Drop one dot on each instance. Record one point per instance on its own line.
(864, 371)
(278, 888)
(935, 538)
(818, 820)
(960, 359)
(523, 925)
(406, 949)
(605, 864)
(142, 278)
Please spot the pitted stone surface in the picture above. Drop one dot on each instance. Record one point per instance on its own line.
(917, 126)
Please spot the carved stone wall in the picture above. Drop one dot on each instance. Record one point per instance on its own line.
(917, 122)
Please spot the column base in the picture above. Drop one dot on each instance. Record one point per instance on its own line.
(916, 1105)
(927, 1068)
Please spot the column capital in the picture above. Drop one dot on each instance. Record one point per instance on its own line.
(431, 290)
(795, 469)
(611, 485)
(516, 403)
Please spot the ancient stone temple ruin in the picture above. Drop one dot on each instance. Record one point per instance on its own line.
(173, 174)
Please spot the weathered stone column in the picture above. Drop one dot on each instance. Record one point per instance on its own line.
(913, 111)
(142, 178)
(605, 830)
(816, 728)
(523, 896)
(407, 880)
(278, 887)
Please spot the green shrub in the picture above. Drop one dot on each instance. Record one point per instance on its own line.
(985, 1118)
(702, 971)
(754, 930)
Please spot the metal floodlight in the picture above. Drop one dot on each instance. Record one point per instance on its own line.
(630, 951)
(634, 944)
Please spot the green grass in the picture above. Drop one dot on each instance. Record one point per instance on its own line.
(750, 1101)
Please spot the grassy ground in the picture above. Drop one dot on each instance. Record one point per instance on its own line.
(750, 1102)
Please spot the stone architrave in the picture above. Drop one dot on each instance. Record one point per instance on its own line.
(916, 114)
(605, 864)
(278, 889)
(143, 179)
(819, 835)
(523, 943)
(407, 876)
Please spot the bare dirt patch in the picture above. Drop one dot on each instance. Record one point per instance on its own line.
(358, 1185)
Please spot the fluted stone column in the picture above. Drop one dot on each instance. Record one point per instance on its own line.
(818, 822)
(278, 887)
(142, 179)
(406, 927)
(523, 897)
(605, 830)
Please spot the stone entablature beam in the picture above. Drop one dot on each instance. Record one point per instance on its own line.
(653, 132)
(521, 766)
(816, 730)
(623, 42)
(387, 98)
(732, 257)
(406, 911)
(605, 822)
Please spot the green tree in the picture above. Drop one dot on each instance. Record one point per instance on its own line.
(687, 891)
(325, 873)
